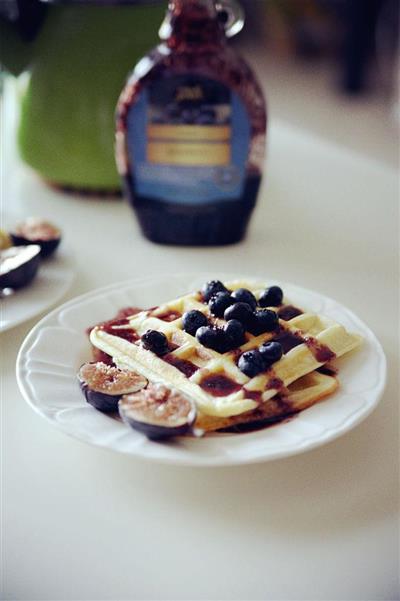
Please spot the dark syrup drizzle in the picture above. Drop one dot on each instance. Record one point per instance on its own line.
(254, 395)
(287, 312)
(258, 425)
(288, 339)
(260, 422)
(102, 357)
(275, 384)
(219, 385)
(121, 318)
(186, 367)
(328, 370)
(321, 352)
(112, 328)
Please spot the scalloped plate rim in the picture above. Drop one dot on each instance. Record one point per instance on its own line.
(189, 458)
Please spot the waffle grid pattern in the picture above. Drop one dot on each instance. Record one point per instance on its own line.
(314, 333)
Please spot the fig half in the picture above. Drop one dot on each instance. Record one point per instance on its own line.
(158, 412)
(18, 266)
(37, 231)
(103, 385)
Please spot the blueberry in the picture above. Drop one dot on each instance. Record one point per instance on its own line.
(219, 302)
(206, 336)
(235, 332)
(155, 341)
(245, 296)
(263, 321)
(240, 311)
(251, 363)
(271, 297)
(211, 288)
(223, 341)
(193, 320)
(271, 352)
(213, 338)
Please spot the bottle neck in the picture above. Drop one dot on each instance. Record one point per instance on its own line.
(190, 24)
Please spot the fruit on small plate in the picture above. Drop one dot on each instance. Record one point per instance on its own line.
(103, 385)
(158, 412)
(37, 231)
(19, 265)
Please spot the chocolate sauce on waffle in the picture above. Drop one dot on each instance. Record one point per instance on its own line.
(219, 385)
(186, 367)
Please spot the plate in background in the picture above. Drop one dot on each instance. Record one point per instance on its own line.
(53, 279)
(53, 351)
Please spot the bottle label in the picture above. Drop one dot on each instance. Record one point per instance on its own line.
(188, 139)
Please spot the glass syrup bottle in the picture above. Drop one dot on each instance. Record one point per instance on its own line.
(190, 133)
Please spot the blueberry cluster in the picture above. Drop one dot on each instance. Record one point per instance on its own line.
(223, 339)
(241, 305)
(258, 360)
(219, 339)
(239, 310)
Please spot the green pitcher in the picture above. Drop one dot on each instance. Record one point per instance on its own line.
(78, 61)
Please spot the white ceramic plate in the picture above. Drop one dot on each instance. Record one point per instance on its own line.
(53, 351)
(52, 280)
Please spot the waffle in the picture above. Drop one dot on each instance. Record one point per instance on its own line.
(303, 393)
(213, 380)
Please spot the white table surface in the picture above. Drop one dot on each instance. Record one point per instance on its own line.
(82, 523)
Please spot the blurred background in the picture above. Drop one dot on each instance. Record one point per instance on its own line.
(327, 66)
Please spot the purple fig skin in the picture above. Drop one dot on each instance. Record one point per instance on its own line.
(107, 403)
(22, 275)
(154, 431)
(141, 411)
(47, 247)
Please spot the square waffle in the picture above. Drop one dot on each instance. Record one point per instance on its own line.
(225, 396)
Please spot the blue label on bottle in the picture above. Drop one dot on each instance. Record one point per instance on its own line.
(188, 141)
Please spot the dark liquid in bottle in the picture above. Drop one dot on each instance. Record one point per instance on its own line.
(191, 134)
(207, 224)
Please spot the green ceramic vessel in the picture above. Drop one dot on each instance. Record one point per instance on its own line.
(78, 63)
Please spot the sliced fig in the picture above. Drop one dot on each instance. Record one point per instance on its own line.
(37, 231)
(103, 385)
(18, 266)
(158, 412)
